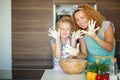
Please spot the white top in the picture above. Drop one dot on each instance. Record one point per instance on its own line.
(60, 75)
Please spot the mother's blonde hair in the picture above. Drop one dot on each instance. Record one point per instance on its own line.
(90, 13)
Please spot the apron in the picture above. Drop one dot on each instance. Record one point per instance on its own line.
(95, 52)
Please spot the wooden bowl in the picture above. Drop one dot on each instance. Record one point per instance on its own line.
(73, 66)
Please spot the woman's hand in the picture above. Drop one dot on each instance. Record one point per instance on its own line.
(70, 50)
(91, 29)
(54, 33)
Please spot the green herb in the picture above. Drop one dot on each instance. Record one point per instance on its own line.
(102, 68)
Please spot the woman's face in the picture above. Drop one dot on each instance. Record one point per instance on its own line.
(65, 30)
(81, 19)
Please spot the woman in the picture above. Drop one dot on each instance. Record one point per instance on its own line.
(98, 33)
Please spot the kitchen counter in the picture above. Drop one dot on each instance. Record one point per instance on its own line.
(60, 75)
(47, 74)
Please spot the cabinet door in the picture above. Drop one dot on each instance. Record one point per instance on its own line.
(74, 1)
(30, 41)
(111, 10)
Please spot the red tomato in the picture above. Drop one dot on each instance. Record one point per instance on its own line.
(105, 78)
(99, 77)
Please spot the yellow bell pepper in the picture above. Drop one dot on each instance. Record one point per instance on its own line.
(91, 75)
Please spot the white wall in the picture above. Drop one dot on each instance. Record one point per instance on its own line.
(5, 34)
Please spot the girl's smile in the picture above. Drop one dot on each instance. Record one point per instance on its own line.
(65, 30)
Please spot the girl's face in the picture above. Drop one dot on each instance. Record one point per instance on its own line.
(81, 19)
(65, 30)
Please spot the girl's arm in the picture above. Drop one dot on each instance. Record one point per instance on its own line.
(75, 36)
(82, 47)
(57, 49)
(108, 43)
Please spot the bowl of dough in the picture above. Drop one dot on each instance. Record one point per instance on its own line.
(73, 66)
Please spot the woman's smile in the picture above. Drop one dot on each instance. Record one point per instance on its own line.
(81, 20)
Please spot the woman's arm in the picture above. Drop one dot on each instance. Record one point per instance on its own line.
(108, 43)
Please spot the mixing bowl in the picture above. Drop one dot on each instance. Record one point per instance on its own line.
(73, 66)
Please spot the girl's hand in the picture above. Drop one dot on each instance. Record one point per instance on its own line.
(77, 35)
(53, 33)
(91, 31)
(70, 50)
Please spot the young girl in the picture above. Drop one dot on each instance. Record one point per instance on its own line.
(60, 39)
